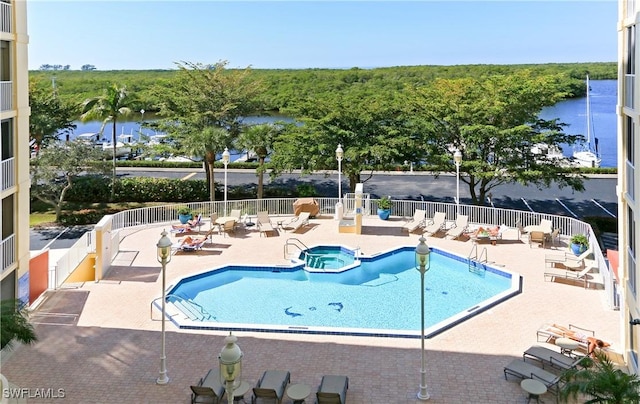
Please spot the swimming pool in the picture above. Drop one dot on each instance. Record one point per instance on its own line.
(375, 295)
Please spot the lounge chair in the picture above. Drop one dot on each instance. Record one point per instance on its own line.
(526, 370)
(418, 220)
(550, 357)
(189, 226)
(547, 225)
(271, 386)
(583, 275)
(264, 223)
(568, 259)
(209, 388)
(550, 332)
(229, 227)
(189, 244)
(332, 390)
(459, 227)
(436, 224)
(297, 222)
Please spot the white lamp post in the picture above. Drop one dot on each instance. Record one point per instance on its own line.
(164, 257)
(457, 159)
(339, 155)
(230, 359)
(422, 265)
(225, 159)
(141, 123)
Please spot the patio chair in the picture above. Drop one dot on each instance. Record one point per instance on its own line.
(526, 370)
(553, 237)
(459, 227)
(332, 390)
(297, 222)
(271, 386)
(537, 237)
(418, 220)
(213, 224)
(550, 357)
(436, 224)
(235, 213)
(546, 224)
(209, 388)
(264, 223)
(582, 276)
(229, 227)
(568, 259)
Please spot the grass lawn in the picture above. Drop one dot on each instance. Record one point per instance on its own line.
(44, 215)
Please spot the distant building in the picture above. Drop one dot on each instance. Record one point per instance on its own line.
(14, 150)
(628, 182)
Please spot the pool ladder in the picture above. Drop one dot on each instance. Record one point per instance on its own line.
(474, 259)
(295, 243)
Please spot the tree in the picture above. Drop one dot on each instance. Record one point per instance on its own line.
(109, 107)
(373, 128)
(494, 122)
(260, 140)
(87, 67)
(15, 325)
(206, 103)
(599, 379)
(56, 167)
(50, 116)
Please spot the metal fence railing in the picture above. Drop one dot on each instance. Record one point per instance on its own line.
(284, 206)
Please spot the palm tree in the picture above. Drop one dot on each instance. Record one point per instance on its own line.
(110, 106)
(205, 142)
(259, 139)
(600, 380)
(15, 325)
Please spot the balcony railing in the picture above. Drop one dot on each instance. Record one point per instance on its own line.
(629, 80)
(8, 252)
(6, 91)
(8, 174)
(630, 174)
(5, 16)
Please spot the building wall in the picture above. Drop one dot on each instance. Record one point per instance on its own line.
(15, 254)
(628, 187)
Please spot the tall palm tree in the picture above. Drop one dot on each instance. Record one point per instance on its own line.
(599, 380)
(109, 107)
(15, 326)
(259, 139)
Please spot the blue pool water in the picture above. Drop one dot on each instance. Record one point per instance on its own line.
(381, 294)
(327, 257)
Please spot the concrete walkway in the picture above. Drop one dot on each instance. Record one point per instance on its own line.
(98, 342)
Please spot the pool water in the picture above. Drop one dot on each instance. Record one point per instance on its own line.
(382, 293)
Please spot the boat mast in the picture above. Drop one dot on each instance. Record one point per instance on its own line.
(588, 116)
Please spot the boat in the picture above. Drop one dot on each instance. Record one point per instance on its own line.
(547, 153)
(586, 155)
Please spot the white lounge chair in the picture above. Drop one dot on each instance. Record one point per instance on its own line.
(418, 220)
(264, 223)
(568, 259)
(297, 222)
(583, 275)
(436, 224)
(462, 221)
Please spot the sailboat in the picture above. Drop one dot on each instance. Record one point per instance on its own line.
(587, 156)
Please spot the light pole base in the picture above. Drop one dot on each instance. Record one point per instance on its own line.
(339, 211)
(423, 395)
(162, 379)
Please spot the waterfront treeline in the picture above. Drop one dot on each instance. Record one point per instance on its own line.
(283, 88)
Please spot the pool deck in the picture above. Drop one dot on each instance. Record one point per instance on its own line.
(98, 342)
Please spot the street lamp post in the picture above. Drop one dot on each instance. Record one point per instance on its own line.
(164, 257)
(225, 159)
(422, 265)
(339, 207)
(457, 159)
(230, 359)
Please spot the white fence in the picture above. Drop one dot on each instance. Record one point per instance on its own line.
(284, 206)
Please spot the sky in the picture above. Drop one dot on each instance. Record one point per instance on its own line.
(144, 34)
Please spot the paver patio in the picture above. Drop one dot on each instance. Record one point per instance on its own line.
(97, 341)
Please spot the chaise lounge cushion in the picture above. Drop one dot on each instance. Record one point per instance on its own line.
(333, 390)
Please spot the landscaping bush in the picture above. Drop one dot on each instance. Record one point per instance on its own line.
(147, 189)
